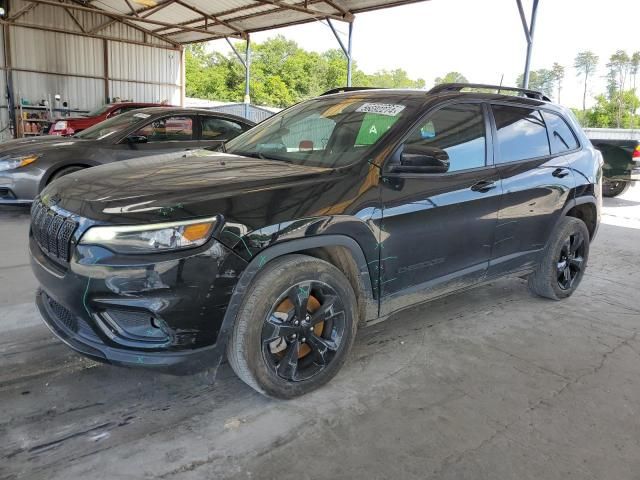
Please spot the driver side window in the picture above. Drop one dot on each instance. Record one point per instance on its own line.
(457, 131)
(167, 129)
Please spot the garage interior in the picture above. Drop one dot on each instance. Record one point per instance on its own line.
(119, 50)
(493, 383)
(123, 50)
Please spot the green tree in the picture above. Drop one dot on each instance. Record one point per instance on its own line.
(604, 114)
(451, 77)
(542, 80)
(558, 76)
(282, 73)
(585, 64)
(397, 78)
(619, 66)
(635, 67)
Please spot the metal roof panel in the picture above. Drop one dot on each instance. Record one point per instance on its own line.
(186, 21)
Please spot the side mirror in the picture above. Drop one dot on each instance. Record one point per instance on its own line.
(422, 159)
(137, 139)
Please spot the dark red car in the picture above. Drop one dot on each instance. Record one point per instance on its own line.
(72, 125)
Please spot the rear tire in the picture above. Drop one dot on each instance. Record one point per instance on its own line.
(613, 188)
(294, 328)
(563, 261)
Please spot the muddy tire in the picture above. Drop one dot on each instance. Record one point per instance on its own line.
(294, 328)
(563, 261)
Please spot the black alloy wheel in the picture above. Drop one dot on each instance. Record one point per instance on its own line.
(613, 188)
(295, 326)
(303, 331)
(571, 260)
(563, 261)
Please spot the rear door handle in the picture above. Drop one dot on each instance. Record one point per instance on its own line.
(483, 186)
(560, 172)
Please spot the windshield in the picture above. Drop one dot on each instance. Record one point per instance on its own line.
(99, 111)
(113, 125)
(324, 132)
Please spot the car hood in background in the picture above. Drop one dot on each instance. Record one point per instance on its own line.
(37, 145)
(79, 122)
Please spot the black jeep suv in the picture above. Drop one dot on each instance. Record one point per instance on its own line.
(330, 215)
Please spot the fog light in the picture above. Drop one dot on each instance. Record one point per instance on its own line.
(140, 326)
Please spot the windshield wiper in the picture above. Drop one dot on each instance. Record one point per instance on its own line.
(262, 156)
(252, 155)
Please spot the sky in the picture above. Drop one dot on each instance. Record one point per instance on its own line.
(482, 39)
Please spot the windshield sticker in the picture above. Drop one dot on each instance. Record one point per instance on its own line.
(141, 115)
(389, 109)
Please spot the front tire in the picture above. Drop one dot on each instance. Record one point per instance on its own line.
(563, 261)
(294, 328)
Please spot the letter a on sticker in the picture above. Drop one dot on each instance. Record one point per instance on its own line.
(373, 130)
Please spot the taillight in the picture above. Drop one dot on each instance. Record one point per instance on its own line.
(636, 154)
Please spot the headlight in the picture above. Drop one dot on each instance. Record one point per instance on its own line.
(159, 237)
(17, 162)
(60, 125)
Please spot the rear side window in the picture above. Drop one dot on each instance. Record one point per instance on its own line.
(459, 130)
(561, 137)
(521, 133)
(168, 129)
(219, 128)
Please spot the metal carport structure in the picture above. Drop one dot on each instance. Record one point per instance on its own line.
(172, 24)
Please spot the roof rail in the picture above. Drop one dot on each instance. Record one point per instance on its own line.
(457, 87)
(346, 89)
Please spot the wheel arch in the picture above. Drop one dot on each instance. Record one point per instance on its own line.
(341, 251)
(46, 179)
(584, 208)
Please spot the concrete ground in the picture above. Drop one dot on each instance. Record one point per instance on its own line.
(489, 384)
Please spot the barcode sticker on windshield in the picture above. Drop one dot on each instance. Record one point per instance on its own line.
(389, 109)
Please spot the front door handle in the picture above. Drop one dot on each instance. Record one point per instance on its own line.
(560, 172)
(483, 186)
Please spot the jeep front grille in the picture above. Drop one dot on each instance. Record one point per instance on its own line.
(52, 231)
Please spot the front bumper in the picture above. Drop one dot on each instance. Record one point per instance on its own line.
(81, 337)
(164, 314)
(18, 188)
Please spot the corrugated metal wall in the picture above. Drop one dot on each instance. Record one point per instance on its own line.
(251, 112)
(4, 112)
(47, 63)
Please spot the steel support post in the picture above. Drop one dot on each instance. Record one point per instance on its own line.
(247, 78)
(346, 50)
(246, 63)
(529, 30)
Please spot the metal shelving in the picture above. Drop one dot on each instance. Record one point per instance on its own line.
(31, 127)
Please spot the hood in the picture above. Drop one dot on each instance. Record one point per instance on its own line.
(173, 186)
(36, 144)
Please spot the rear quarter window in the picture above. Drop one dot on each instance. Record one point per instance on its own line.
(561, 137)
